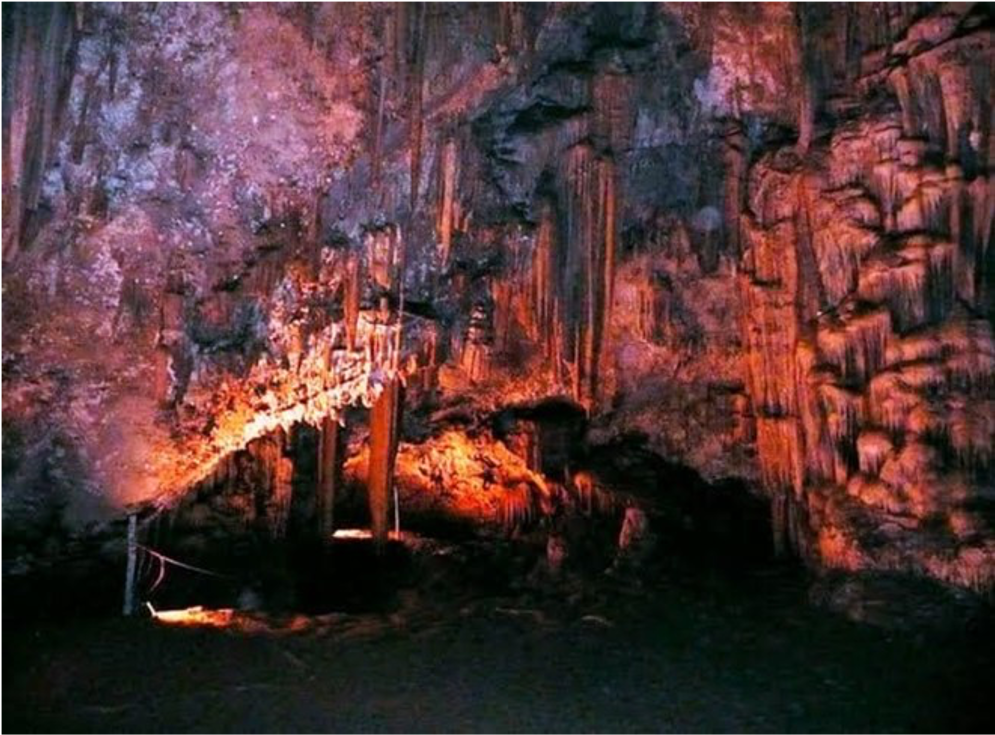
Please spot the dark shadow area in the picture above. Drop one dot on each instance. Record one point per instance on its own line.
(724, 526)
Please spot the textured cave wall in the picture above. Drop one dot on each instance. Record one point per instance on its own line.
(172, 192)
(867, 284)
(757, 237)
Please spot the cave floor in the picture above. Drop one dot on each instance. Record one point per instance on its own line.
(703, 653)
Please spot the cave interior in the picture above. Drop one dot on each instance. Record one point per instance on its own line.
(502, 366)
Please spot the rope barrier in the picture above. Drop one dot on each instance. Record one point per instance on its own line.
(164, 560)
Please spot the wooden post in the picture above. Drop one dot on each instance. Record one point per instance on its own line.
(129, 574)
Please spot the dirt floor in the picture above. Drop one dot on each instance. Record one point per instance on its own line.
(698, 652)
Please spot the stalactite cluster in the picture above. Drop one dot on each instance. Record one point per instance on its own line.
(38, 60)
(858, 378)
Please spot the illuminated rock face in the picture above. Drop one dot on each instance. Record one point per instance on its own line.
(759, 238)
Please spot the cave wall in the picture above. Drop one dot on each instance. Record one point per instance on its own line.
(755, 236)
(867, 282)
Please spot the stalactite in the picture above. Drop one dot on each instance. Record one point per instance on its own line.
(395, 363)
(820, 455)
(504, 296)
(611, 93)
(810, 291)
(972, 220)
(873, 448)
(416, 91)
(843, 411)
(398, 49)
(545, 293)
(851, 154)
(518, 506)
(899, 80)
(975, 242)
(873, 492)
(510, 27)
(928, 100)
(577, 200)
(916, 285)
(924, 201)
(858, 346)
(808, 99)
(384, 430)
(891, 402)
(885, 187)
(351, 299)
(841, 245)
(608, 205)
(771, 331)
(588, 275)
(476, 351)
(279, 470)
(448, 204)
(646, 319)
(971, 430)
(779, 444)
(735, 159)
(39, 54)
(378, 130)
(432, 362)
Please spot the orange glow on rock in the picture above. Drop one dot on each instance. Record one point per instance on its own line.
(472, 478)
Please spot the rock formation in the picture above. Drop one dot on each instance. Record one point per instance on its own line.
(757, 237)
